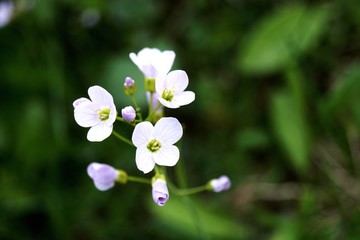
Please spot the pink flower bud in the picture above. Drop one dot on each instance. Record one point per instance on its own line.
(103, 175)
(160, 192)
(128, 114)
(220, 184)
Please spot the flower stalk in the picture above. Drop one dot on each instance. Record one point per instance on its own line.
(122, 138)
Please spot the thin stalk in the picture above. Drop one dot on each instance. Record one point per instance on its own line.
(134, 101)
(122, 138)
(157, 170)
(139, 179)
(151, 113)
(150, 103)
(122, 120)
(187, 191)
(138, 110)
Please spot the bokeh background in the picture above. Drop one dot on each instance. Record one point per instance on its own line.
(277, 88)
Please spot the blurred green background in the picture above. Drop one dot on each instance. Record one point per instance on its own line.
(277, 88)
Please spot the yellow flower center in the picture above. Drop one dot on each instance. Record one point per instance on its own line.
(153, 145)
(168, 94)
(103, 114)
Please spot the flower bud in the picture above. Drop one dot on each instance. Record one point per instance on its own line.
(129, 86)
(103, 175)
(160, 191)
(219, 184)
(128, 113)
(6, 12)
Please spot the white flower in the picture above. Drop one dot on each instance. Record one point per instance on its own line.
(160, 192)
(152, 62)
(155, 144)
(170, 89)
(99, 113)
(220, 184)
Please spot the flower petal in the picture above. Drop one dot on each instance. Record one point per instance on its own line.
(100, 96)
(135, 60)
(103, 175)
(144, 160)
(148, 54)
(167, 155)
(143, 60)
(79, 101)
(168, 104)
(168, 130)
(112, 116)
(184, 98)
(149, 71)
(160, 84)
(6, 12)
(164, 61)
(99, 132)
(92, 168)
(85, 114)
(104, 186)
(152, 62)
(143, 133)
(178, 80)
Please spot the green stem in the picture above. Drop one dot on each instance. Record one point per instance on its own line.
(122, 120)
(139, 179)
(122, 138)
(134, 101)
(150, 103)
(188, 191)
(157, 170)
(138, 110)
(151, 113)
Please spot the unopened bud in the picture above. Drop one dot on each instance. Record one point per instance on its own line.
(128, 113)
(129, 86)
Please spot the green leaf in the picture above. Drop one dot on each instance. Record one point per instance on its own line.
(283, 35)
(287, 229)
(342, 101)
(193, 221)
(346, 89)
(252, 138)
(290, 129)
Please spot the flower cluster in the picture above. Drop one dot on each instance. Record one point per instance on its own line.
(154, 137)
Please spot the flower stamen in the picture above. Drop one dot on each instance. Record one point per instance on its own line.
(153, 145)
(103, 114)
(168, 94)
